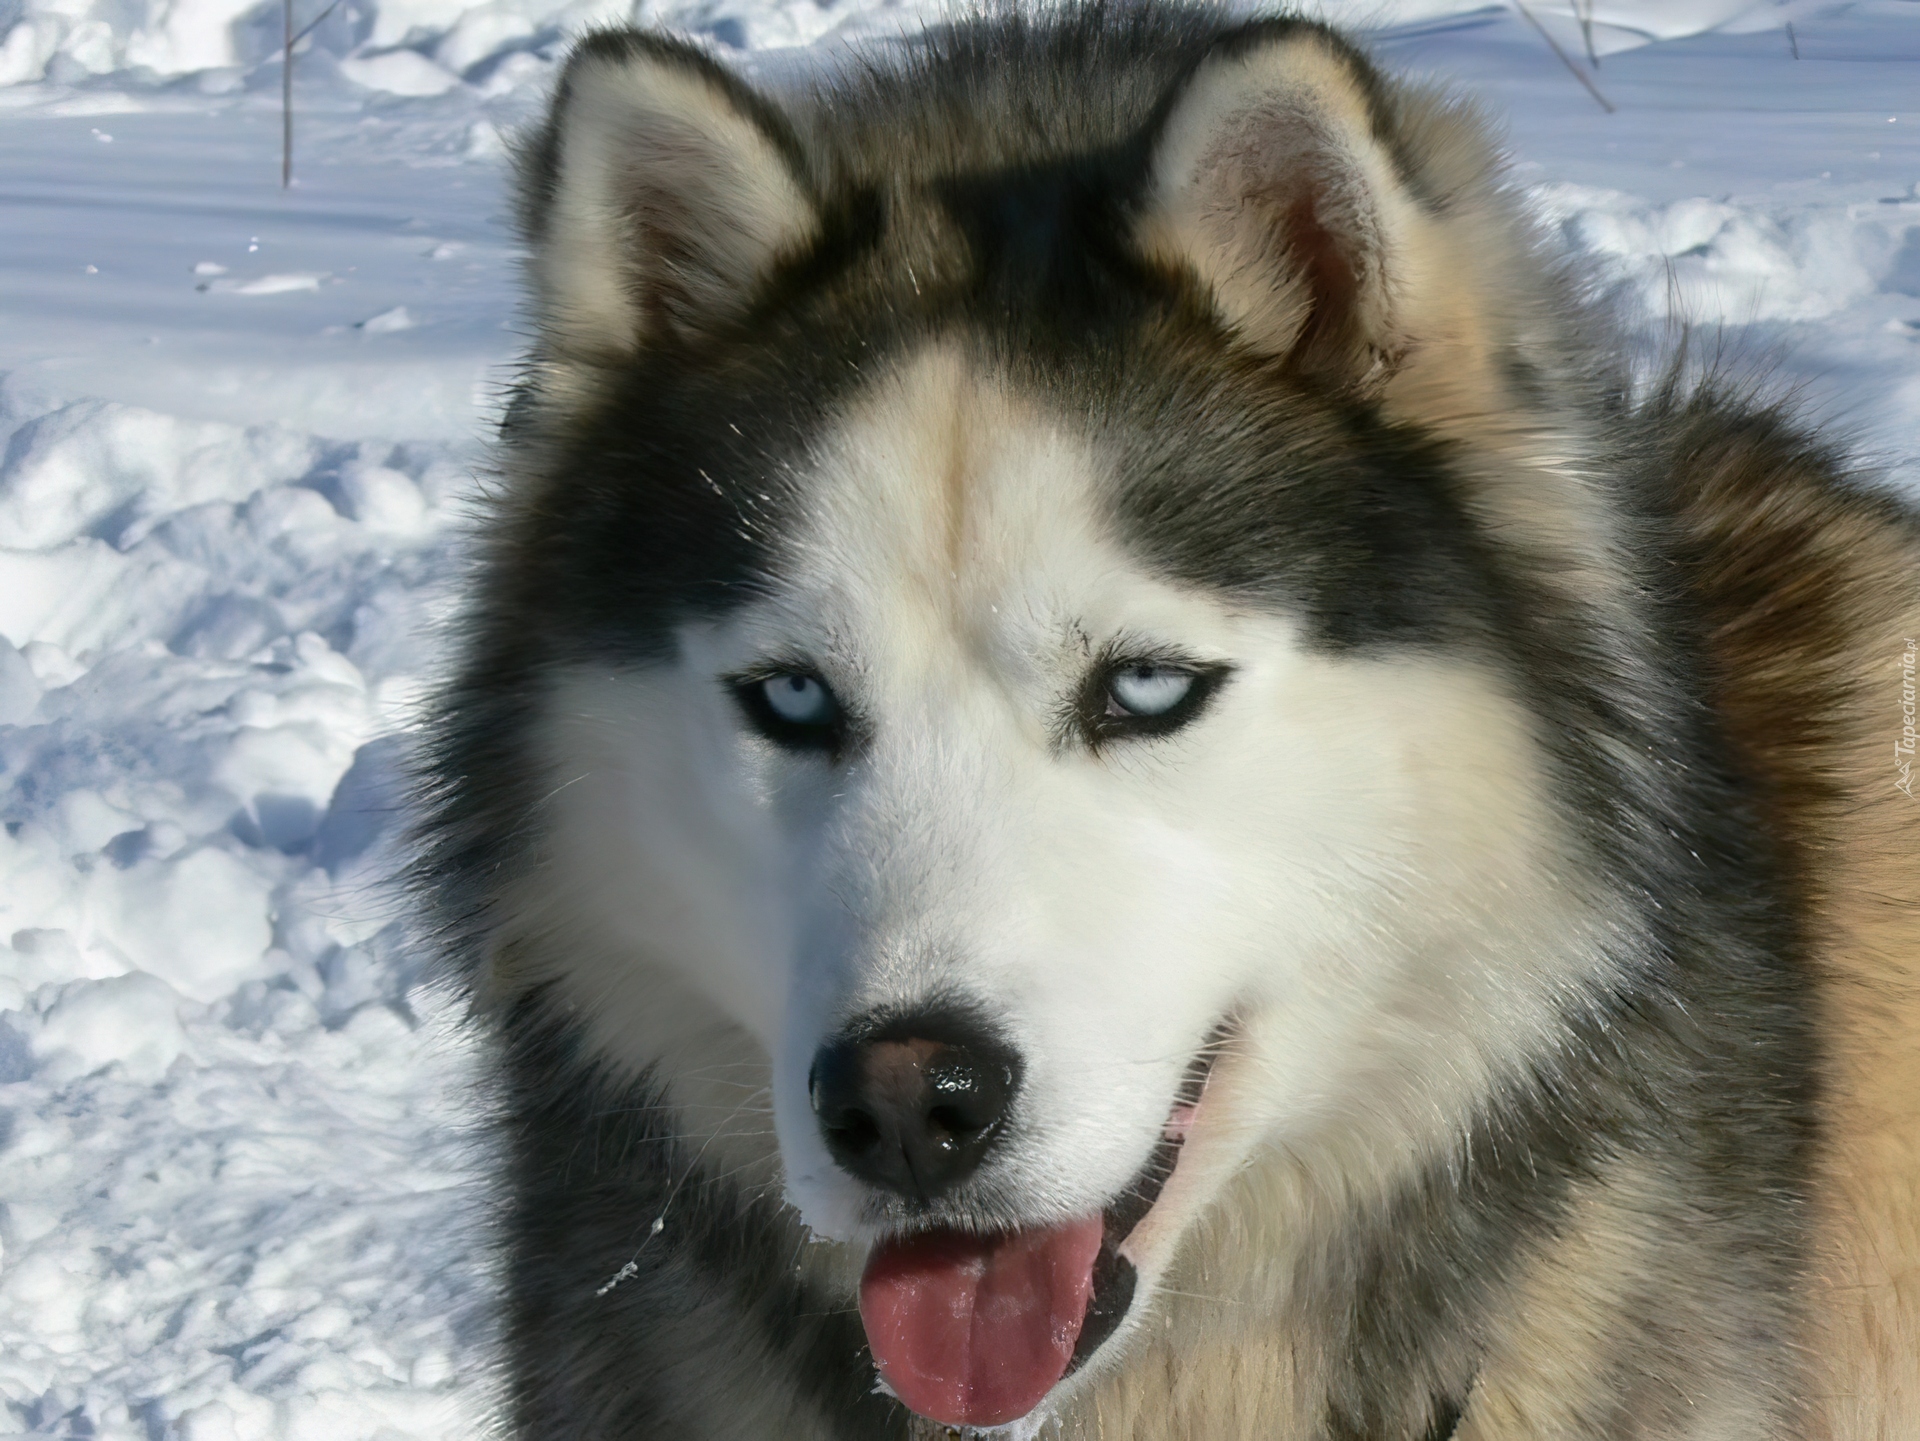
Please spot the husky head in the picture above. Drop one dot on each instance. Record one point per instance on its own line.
(1014, 622)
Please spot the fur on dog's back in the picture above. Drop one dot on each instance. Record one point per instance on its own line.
(1633, 1156)
(1811, 594)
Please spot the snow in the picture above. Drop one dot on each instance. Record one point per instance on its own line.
(238, 427)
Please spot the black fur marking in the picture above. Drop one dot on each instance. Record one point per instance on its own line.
(851, 228)
(700, 1328)
(1048, 241)
(1353, 522)
(1113, 1282)
(1446, 1419)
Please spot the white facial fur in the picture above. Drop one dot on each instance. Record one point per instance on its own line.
(1354, 857)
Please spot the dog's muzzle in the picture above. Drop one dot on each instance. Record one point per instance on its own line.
(968, 1328)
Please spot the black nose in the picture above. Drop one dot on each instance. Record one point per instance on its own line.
(913, 1105)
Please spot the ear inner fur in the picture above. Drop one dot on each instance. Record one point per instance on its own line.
(1270, 183)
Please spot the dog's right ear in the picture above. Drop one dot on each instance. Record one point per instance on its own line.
(661, 191)
(1273, 184)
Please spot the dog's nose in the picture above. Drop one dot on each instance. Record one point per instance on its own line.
(914, 1106)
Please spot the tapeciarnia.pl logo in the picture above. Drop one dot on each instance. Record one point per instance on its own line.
(1903, 747)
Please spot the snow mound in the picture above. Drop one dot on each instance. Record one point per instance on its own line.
(1724, 264)
(228, 1191)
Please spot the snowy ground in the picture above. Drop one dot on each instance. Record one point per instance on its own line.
(236, 430)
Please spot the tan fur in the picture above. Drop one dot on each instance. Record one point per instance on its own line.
(1867, 1328)
(1545, 1370)
(1236, 1350)
(1473, 293)
(1817, 598)
(1559, 1357)
(1217, 1367)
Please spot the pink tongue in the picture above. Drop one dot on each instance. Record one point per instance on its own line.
(975, 1330)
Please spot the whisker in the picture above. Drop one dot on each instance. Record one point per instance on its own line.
(632, 1267)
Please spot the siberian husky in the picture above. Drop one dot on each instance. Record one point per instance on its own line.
(1111, 780)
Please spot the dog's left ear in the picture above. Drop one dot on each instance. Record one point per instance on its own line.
(1271, 179)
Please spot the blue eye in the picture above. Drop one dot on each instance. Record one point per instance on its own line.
(1129, 699)
(800, 700)
(794, 709)
(1147, 690)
